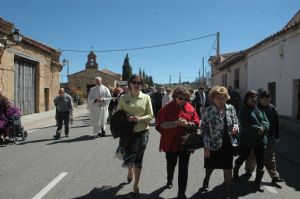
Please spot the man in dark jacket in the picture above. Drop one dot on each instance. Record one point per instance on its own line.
(64, 106)
(157, 101)
(200, 100)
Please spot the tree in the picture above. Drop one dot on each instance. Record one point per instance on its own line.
(127, 69)
(150, 81)
(140, 72)
(144, 74)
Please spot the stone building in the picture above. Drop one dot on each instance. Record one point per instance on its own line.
(84, 80)
(29, 71)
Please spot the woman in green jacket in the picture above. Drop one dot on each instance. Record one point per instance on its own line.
(253, 136)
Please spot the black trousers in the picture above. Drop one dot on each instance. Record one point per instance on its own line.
(184, 158)
(63, 117)
(259, 156)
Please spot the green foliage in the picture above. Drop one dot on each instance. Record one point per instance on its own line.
(127, 69)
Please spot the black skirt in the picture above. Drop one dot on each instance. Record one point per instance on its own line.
(223, 158)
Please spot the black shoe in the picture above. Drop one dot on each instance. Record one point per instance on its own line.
(169, 185)
(57, 136)
(99, 135)
(259, 188)
(129, 179)
(277, 179)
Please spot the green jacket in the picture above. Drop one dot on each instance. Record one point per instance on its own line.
(251, 119)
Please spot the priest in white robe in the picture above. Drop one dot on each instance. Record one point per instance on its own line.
(98, 101)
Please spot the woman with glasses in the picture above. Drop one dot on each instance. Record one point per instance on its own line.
(253, 136)
(219, 130)
(174, 120)
(139, 106)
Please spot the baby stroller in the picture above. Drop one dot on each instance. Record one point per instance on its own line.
(14, 127)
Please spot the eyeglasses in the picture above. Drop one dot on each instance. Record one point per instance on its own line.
(137, 83)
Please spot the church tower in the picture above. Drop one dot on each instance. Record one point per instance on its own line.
(91, 62)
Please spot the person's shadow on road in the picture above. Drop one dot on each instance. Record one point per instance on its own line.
(109, 192)
(240, 188)
(77, 139)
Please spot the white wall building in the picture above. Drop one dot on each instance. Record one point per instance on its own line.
(271, 64)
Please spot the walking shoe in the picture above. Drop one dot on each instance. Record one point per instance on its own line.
(277, 179)
(56, 136)
(129, 179)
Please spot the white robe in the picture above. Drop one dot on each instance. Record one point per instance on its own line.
(98, 110)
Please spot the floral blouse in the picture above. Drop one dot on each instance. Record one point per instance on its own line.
(212, 126)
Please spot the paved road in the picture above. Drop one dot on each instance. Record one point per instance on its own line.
(83, 166)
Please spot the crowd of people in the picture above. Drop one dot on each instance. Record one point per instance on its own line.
(229, 127)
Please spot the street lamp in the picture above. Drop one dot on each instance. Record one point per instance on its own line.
(66, 62)
(17, 38)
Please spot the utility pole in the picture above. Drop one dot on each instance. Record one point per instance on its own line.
(203, 67)
(199, 73)
(179, 77)
(218, 44)
(66, 63)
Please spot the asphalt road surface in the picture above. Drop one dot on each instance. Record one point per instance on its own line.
(84, 167)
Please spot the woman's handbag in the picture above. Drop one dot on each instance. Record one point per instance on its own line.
(192, 142)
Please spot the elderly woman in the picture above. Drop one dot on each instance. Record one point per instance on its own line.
(174, 120)
(219, 131)
(138, 105)
(254, 125)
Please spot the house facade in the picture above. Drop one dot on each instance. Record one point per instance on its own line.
(29, 71)
(270, 64)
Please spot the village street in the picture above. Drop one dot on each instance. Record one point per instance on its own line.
(83, 166)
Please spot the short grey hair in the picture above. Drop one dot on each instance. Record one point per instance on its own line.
(99, 78)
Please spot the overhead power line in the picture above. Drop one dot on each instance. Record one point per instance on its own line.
(140, 48)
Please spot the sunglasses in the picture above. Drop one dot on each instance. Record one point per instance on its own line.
(137, 83)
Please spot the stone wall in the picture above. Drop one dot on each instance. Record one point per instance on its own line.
(47, 69)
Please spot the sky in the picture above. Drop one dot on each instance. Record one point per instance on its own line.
(121, 24)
